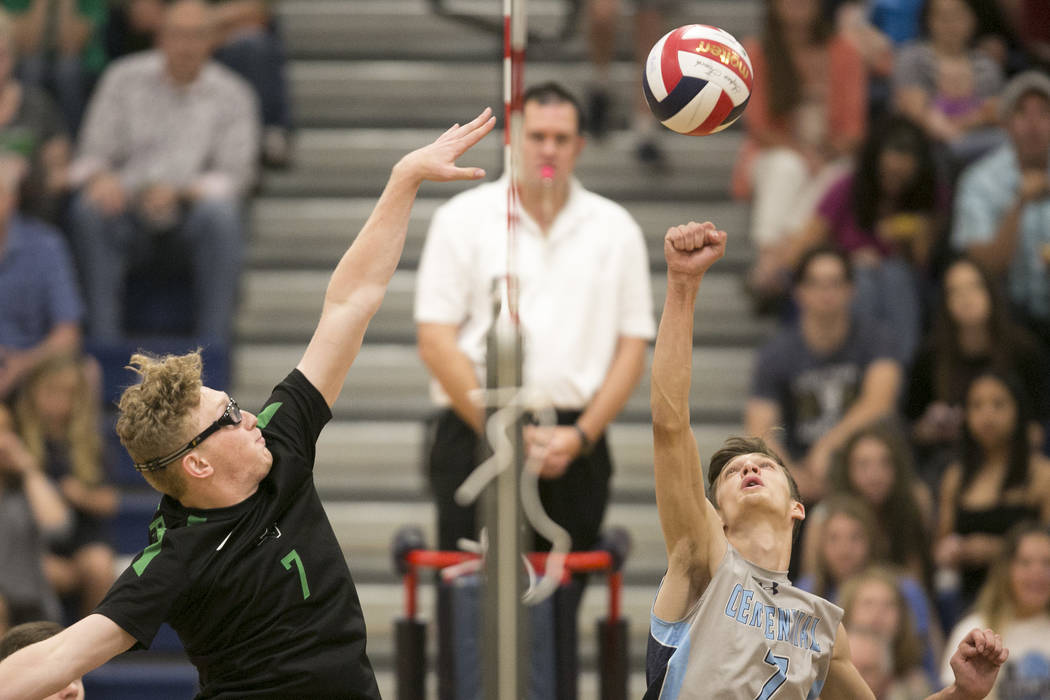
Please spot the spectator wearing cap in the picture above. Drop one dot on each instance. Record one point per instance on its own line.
(1002, 209)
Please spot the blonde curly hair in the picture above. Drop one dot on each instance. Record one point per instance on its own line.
(157, 414)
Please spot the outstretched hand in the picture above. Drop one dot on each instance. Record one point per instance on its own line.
(976, 663)
(692, 248)
(437, 161)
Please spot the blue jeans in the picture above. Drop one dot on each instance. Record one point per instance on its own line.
(211, 233)
(68, 81)
(259, 58)
(889, 292)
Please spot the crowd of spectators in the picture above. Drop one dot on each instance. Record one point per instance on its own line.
(903, 245)
(897, 162)
(131, 134)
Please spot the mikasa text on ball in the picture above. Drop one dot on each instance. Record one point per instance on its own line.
(697, 79)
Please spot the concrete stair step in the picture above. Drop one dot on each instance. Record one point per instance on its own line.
(389, 381)
(356, 163)
(362, 28)
(368, 459)
(314, 232)
(283, 305)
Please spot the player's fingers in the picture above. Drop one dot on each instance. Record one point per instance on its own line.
(466, 139)
(455, 173)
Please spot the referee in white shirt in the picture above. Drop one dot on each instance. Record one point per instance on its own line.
(586, 317)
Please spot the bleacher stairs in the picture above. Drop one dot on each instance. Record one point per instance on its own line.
(373, 79)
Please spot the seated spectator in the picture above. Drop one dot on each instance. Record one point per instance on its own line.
(1016, 602)
(31, 128)
(806, 117)
(61, 47)
(30, 633)
(872, 654)
(32, 514)
(1002, 207)
(823, 377)
(972, 332)
(872, 600)
(885, 215)
(947, 86)
(848, 545)
(248, 42)
(997, 482)
(40, 307)
(874, 465)
(57, 417)
(167, 152)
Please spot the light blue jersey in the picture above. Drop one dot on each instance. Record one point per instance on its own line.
(750, 636)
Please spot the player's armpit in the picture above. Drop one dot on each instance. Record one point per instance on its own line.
(692, 528)
(46, 667)
(844, 681)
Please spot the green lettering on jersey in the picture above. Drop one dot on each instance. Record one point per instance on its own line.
(263, 419)
(195, 519)
(158, 529)
(293, 558)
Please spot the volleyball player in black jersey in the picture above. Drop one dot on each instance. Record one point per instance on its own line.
(242, 560)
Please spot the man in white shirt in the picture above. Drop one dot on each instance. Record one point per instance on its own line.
(586, 319)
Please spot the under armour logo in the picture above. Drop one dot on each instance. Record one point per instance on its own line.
(773, 586)
(271, 533)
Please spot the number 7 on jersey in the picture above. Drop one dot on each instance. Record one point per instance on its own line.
(290, 558)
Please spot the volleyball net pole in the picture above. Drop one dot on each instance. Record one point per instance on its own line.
(504, 633)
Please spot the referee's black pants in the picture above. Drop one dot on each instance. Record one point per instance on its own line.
(576, 500)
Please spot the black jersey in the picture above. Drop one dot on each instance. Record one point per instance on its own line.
(259, 592)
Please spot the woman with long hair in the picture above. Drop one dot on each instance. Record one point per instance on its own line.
(875, 466)
(972, 332)
(806, 116)
(886, 214)
(872, 600)
(1015, 600)
(848, 543)
(57, 417)
(997, 482)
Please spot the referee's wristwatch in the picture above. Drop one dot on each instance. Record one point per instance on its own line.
(586, 444)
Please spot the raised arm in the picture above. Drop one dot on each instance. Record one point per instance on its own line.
(692, 528)
(359, 282)
(46, 667)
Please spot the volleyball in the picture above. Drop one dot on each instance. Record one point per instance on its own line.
(697, 79)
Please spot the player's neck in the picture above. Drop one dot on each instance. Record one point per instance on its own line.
(217, 495)
(763, 543)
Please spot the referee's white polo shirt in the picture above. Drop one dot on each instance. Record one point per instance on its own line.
(582, 286)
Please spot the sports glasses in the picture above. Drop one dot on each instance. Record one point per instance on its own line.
(231, 416)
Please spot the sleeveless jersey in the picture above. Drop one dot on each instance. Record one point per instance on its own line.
(750, 636)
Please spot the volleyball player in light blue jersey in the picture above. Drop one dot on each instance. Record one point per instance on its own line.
(727, 623)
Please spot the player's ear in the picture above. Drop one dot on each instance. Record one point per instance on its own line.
(798, 511)
(196, 466)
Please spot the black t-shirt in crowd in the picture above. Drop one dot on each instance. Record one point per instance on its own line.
(259, 592)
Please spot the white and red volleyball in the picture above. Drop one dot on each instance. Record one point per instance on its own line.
(697, 79)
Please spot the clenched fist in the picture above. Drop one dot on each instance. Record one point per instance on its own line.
(692, 248)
